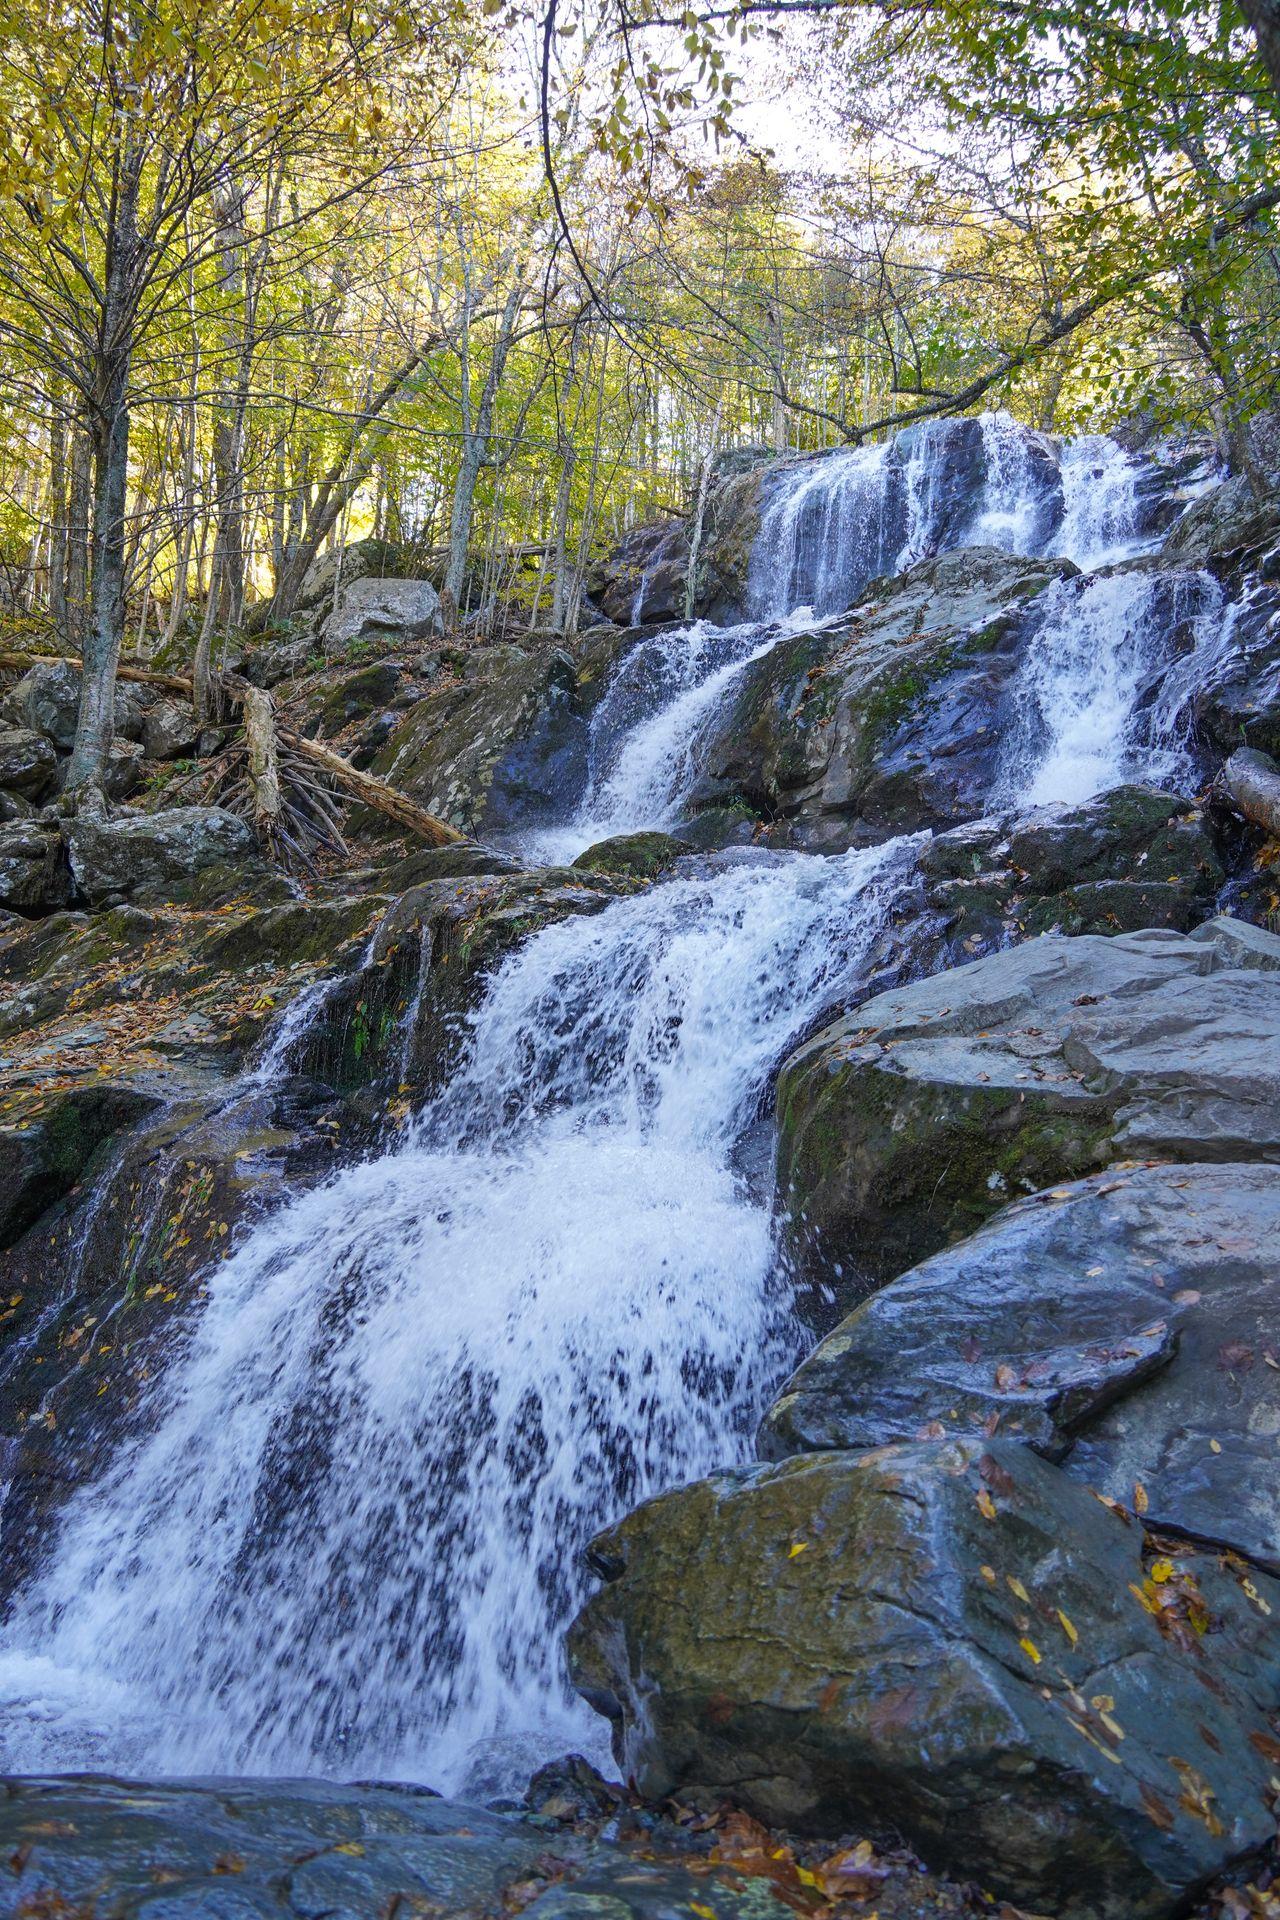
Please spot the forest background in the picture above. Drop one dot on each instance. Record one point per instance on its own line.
(496, 282)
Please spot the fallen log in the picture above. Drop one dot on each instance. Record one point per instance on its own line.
(1251, 781)
(364, 787)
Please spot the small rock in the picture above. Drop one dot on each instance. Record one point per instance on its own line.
(34, 875)
(645, 855)
(169, 731)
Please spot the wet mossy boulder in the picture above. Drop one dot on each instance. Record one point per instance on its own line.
(905, 1124)
(1131, 858)
(505, 752)
(644, 855)
(49, 1136)
(889, 720)
(953, 1640)
(1124, 1326)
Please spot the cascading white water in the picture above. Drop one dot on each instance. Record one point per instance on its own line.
(647, 729)
(349, 1536)
(1099, 503)
(352, 1536)
(1099, 700)
(828, 528)
(1009, 515)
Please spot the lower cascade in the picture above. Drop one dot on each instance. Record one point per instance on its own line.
(433, 1377)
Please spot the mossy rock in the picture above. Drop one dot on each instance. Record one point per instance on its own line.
(643, 855)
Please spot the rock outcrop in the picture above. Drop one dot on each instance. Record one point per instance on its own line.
(1127, 1326)
(502, 751)
(889, 720)
(905, 1124)
(953, 1638)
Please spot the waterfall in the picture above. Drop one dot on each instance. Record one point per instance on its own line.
(648, 727)
(351, 1537)
(1081, 720)
(830, 526)
(1100, 503)
(347, 1535)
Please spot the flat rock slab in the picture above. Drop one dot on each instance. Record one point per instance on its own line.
(954, 1639)
(315, 1850)
(905, 1124)
(1128, 1326)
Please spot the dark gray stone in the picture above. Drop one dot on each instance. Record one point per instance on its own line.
(27, 762)
(905, 1124)
(1127, 1326)
(954, 1639)
(34, 875)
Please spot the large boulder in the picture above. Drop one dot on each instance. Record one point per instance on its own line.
(890, 720)
(154, 855)
(34, 875)
(644, 854)
(904, 1124)
(27, 762)
(169, 730)
(494, 754)
(382, 610)
(342, 565)
(47, 701)
(954, 1640)
(1126, 1326)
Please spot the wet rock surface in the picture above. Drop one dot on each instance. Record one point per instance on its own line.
(643, 854)
(954, 1638)
(504, 751)
(902, 1126)
(1125, 1326)
(240, 1849)
(1133, 858)
(888, 720)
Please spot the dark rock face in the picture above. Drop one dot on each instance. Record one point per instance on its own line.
(643, 854)
(34, 875)
(499, 753)
(891, 720)
(149, 855)
(644, 577)
(1127, 1326)
(905, 1124)
(1134, 857)
(27, 762)
(954, 1638)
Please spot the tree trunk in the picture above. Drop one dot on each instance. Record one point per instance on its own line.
(79, 488)
(109, 431)
(1264, 17)
(1252, 783)
(475, 441)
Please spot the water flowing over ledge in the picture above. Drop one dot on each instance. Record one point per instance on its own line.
(350, 1537)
